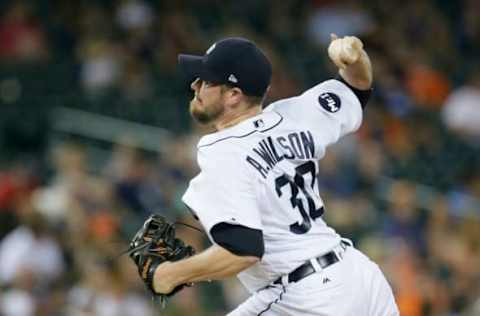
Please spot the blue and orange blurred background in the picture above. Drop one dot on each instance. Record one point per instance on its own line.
(95, 135)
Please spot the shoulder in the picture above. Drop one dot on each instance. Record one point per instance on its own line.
(215, 154)
(220, 155)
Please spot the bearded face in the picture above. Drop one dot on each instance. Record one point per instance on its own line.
(207, 105)
(205, 113)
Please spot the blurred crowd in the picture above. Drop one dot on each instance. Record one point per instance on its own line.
(405, 188)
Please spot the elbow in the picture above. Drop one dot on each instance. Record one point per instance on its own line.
(251, 260)
(254, 254)
(245, 262)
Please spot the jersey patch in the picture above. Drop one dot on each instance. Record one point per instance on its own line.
(330, 102)
(259, 123)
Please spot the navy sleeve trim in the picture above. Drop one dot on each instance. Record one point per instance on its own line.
(238, 239)
(362, 95)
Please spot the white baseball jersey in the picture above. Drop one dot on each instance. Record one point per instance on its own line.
(262, 173)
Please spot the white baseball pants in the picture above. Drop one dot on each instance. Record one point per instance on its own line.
(354, 286)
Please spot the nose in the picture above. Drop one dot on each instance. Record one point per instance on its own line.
(195, 84)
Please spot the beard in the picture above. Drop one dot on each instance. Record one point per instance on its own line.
(206, 114)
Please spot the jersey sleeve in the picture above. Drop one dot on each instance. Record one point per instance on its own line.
(223, 191)
(330, 110)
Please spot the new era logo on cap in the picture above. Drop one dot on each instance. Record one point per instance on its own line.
(211, 48)
(232, 78)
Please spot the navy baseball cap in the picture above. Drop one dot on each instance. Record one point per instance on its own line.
(233, 61)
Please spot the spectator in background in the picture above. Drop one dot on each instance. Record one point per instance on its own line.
(16, 185)
(461, 111)
(428, 86)
(81, 203)
(134, 179)
(22, 38)
(405, 218)
(101, 58)
(470, 24)
(136, 21)
(33, 236)
(391, 89)
(346, 17)
(134, 15)
(18, 300)
(405, 274)
(70, 185)
(103, 290)
(136, 83)
(101, 65)
(32, 261)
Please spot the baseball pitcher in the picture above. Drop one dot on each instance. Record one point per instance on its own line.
(257, 195)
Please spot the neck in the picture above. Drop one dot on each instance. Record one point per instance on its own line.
(235, 117)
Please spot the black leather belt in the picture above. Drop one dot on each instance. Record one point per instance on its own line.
(307, 269)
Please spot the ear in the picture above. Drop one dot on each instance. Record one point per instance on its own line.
(233, 97)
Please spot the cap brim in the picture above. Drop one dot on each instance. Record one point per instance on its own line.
(190, 66)
(193, 67)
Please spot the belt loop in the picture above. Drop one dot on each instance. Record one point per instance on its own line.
(347, 241)
(339, 253)
(285, 280)
(316, 266)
